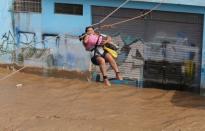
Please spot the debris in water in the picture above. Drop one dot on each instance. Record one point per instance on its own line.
(19, 85)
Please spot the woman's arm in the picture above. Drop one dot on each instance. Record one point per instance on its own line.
(108, 39)
(85, 40)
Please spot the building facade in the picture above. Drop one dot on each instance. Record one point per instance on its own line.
(163, 49)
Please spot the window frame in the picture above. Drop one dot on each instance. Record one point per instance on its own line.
(27, 6)
(75, 12)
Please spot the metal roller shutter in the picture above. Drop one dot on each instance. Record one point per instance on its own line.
(162, 49)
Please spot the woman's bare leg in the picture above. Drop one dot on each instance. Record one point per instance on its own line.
(103, 69)
(113, 64)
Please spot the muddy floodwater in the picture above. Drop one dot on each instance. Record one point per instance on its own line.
(31, 102)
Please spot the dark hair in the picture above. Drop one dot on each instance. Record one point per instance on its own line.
(82, 36)
(86, 29)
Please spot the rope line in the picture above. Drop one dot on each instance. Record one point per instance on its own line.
(134, 18)
(106, 17)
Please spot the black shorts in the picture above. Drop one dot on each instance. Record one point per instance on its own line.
(94, 58)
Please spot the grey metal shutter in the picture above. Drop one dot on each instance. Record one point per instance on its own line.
(171, 51)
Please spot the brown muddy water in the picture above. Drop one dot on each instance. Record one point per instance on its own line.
(30, 102)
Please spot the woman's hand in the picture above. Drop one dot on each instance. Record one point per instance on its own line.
(107, 40)
(85, 40)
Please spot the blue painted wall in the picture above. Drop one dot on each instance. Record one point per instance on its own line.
(5, 16)
(6, 29)
(60, 23)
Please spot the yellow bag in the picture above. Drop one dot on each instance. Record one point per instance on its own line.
(113, 53)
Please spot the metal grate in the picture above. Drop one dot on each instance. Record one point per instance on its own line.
(27, 6)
